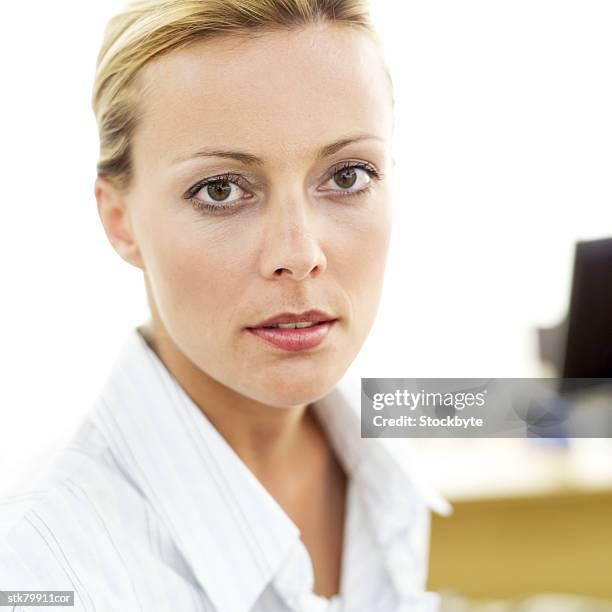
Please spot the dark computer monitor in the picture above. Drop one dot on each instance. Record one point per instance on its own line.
(588, 342)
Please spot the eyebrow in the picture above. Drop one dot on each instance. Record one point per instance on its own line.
(251, 160)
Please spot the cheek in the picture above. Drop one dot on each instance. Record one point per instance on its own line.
(362, 251)
(361, 265)
(195, 270)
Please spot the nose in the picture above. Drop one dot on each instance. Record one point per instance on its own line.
(291, 243)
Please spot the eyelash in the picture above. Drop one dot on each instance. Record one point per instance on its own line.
(206, 207)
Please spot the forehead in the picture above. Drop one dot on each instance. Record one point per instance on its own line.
(279, 94)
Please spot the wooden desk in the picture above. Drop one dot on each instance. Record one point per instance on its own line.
(521, 545)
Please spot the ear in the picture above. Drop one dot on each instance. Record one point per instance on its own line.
(113, 212)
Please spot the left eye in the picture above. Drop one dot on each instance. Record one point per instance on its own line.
(345, 178)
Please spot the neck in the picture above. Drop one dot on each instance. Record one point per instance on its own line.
(272, 441)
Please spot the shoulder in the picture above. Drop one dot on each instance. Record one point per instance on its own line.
(71, 525)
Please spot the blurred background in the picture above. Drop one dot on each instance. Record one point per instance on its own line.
(500, 266)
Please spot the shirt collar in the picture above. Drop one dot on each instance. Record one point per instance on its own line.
(384, 467)
(177, 459)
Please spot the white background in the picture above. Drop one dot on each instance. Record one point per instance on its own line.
(504, 155)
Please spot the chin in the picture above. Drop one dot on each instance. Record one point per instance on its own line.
(294, 391)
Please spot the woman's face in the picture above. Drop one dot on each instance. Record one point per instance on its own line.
(288, 232)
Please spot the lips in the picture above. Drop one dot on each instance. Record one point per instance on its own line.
(311, 316)
(293, 340)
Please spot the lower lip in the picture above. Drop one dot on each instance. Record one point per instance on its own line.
(294, 339)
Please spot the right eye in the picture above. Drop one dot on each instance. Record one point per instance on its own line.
(216, 193)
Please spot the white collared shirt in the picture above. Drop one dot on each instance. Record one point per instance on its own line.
(148, 508)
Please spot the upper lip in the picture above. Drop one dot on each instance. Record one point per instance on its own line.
(313, 316)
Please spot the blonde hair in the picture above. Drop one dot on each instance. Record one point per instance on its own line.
(146, 28)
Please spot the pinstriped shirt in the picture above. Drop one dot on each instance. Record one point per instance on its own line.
(146, 507)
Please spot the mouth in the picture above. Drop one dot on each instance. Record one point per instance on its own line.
(293, 337)
(296, 325)
(290, 320)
